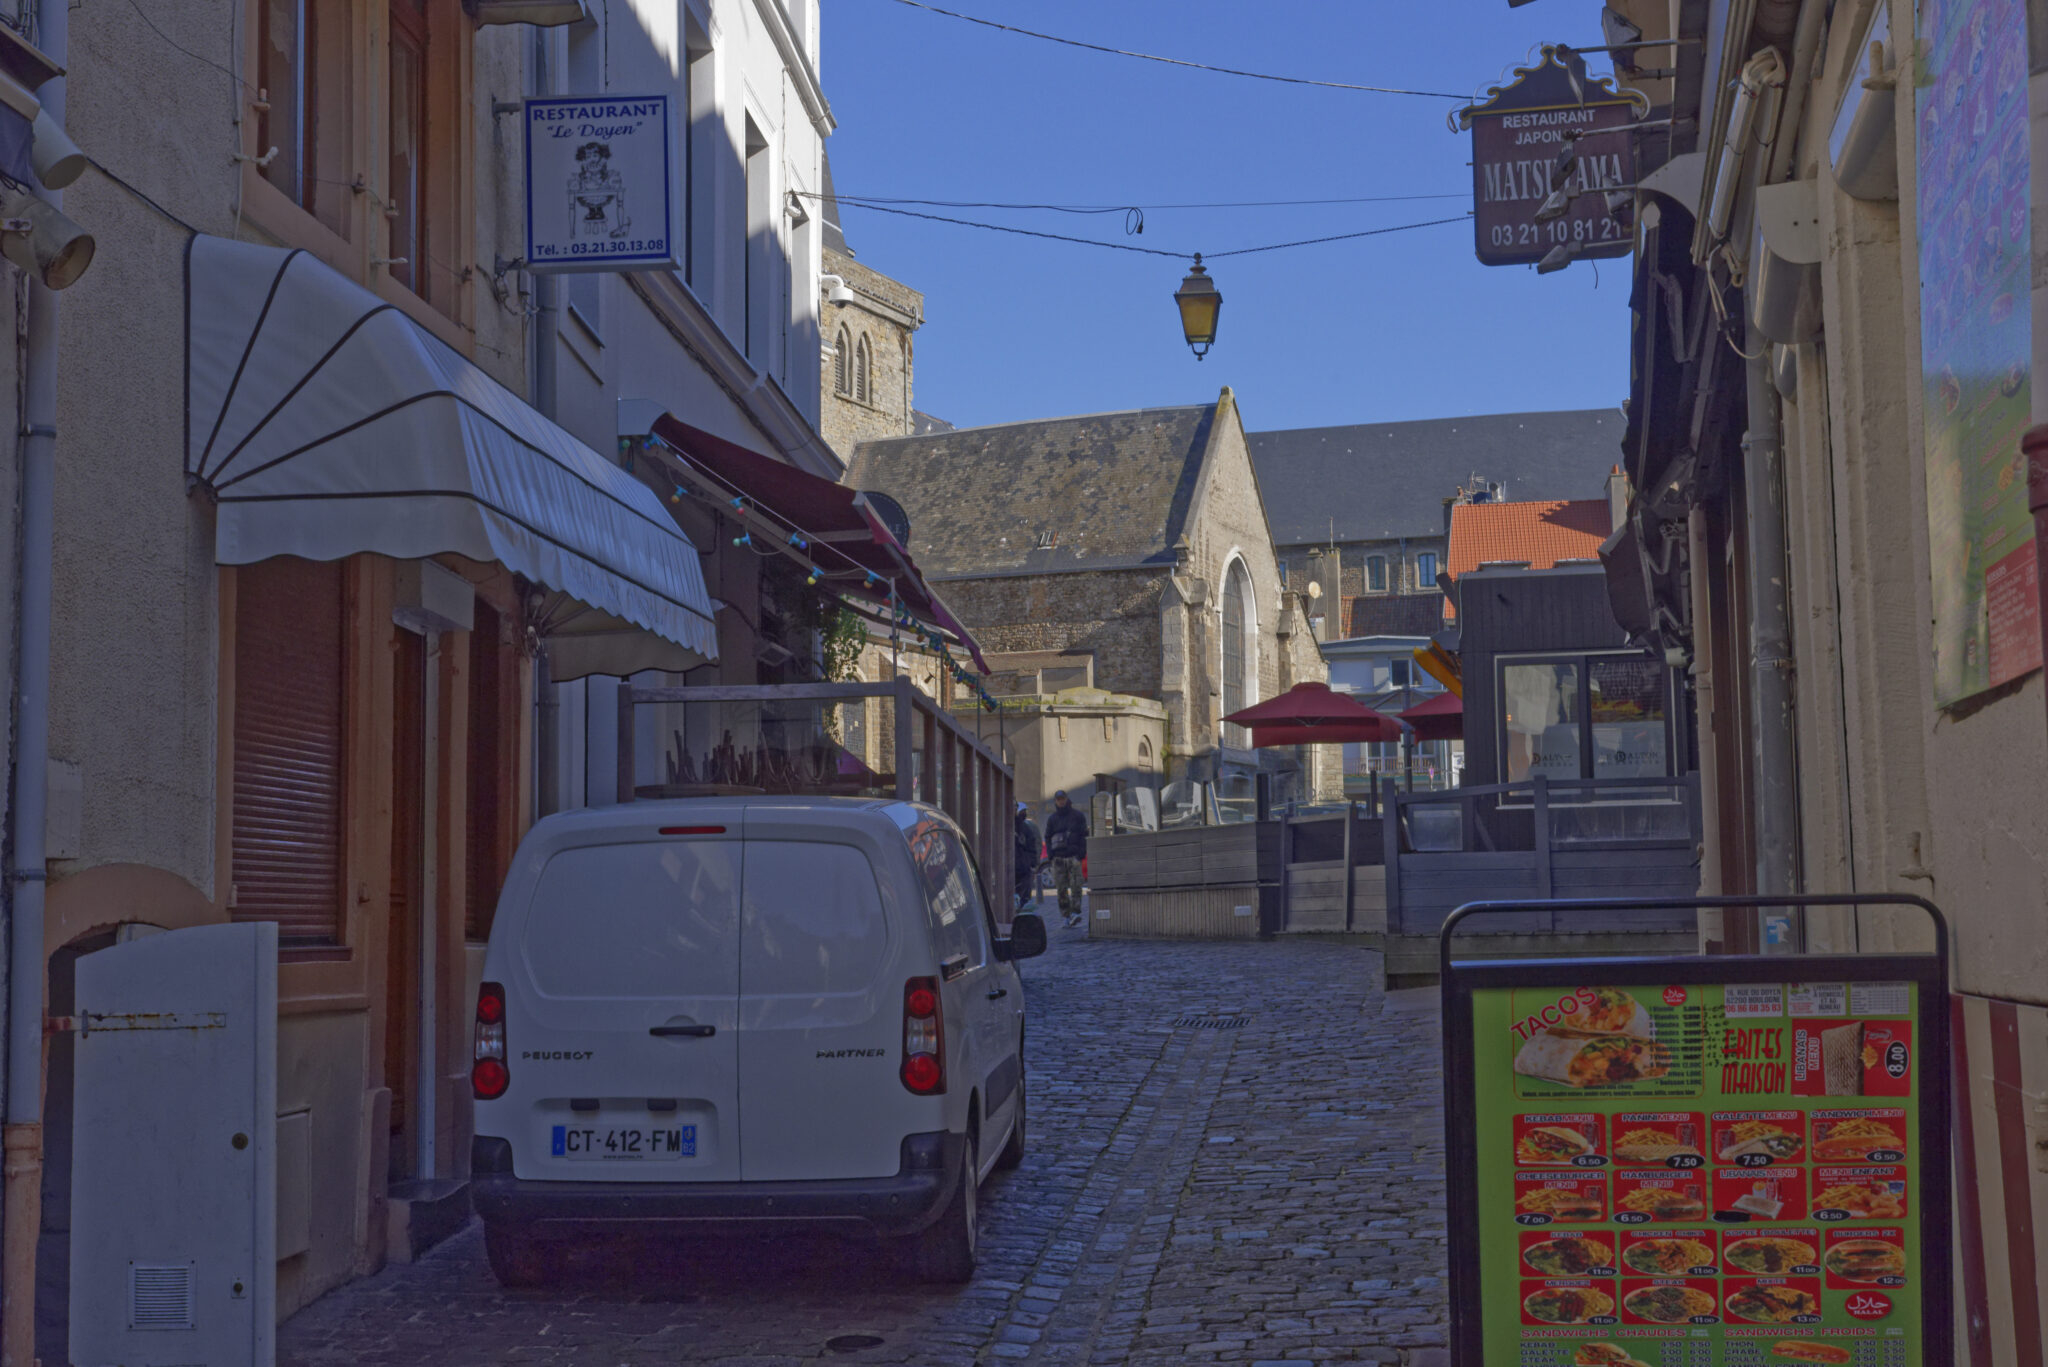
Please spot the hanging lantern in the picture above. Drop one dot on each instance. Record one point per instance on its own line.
(1200, 302)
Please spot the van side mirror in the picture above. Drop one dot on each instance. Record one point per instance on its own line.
(1027, 938)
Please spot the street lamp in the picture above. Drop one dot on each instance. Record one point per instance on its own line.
(1200, 301)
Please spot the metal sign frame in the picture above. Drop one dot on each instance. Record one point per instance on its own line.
(608, 194)
(1929, 972)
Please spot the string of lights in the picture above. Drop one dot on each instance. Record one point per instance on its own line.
(1176, 61)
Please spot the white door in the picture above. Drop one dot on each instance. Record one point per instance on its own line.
(174, 1188)
(821, 1008)
(621, 1011)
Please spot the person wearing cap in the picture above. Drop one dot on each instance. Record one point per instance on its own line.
(1027, 857)
(1066, 843)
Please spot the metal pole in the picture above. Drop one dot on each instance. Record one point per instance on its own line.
(21, 1219)
(1777, 813)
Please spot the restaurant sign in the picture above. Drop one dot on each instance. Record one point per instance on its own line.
(1551, 130)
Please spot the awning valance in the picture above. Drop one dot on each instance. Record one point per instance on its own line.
(857, 556)
(326, 423)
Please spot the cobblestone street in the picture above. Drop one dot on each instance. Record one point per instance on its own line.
(1269, 1192)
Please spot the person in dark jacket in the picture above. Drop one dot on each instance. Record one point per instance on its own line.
(1028, 844)
(1066, 844)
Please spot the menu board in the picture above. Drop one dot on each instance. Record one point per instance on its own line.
(1692, 1175)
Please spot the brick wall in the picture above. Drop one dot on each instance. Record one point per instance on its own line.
(885, 313)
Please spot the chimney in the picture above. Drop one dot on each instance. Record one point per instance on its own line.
(1617, 498)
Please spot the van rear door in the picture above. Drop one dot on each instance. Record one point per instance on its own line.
(821, 1001)
(622, 1014)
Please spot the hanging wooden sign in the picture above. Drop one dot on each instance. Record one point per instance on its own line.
(1518, 135)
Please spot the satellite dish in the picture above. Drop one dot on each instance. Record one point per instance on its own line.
(891, 513)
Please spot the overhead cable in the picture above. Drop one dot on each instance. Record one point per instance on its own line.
(841, 195)
(1158, 251)
(1175, 61)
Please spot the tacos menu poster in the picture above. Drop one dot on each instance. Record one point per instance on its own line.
(1698, 1176)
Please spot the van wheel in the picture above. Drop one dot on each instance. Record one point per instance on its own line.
(518, 1258)
(945, 1253)
(1013, 1147)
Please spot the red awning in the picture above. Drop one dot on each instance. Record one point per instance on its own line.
(1314, 713)
(1440, 718)
(856, 554)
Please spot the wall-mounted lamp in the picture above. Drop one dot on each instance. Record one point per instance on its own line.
(837, 291)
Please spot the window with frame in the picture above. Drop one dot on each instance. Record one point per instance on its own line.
(408, 143)
(1236, 590)
(1375, 574)
(842, 363)
(1585, 716)
(289, 748)
(1425, 572)
(863, 373)
(304, 78)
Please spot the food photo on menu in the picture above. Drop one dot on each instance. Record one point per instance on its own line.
(1568, 1255)
(1604, 1355)
(1780, 1253)
(1547, 1303)
(1541, 1199)
(1593, 1037)
(1788, 1301)
(1667, 1302)
(1671, 1138)
(1867, 1136)
(1669, 1255)
(1759, 1139)
(1866, 1257)
(1558, 1141)
(1806, 1350)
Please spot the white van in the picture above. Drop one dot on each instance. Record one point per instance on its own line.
(744, 1011)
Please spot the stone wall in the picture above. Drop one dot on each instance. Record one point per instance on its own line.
(885, 313)
(1113, 614)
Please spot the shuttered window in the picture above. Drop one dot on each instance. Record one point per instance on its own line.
(489, 785)
(288, 748)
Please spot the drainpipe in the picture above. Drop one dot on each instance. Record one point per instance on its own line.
(1770, 635)
(1708, 722)
(547, 294)
(23, 1133)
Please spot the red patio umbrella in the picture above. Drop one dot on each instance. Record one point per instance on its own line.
(1440, 718)
(1314, 713)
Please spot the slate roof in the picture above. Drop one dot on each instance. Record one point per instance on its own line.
(1386, 480)
(1111, 491)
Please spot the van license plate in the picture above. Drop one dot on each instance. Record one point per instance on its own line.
(624, 1142)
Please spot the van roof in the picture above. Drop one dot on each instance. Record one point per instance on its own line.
(680, 811)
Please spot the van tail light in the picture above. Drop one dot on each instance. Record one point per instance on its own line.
(924, 1037)
(488, 1075)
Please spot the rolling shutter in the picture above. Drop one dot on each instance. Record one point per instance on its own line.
(288, 748)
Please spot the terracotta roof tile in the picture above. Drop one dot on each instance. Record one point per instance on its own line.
(1541, 533)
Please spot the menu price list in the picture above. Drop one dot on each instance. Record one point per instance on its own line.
(1768, 1222)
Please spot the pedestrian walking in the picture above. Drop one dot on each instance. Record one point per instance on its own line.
(1066, 843)
(1028, 845)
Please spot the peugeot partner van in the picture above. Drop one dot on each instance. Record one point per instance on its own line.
(746, 1012)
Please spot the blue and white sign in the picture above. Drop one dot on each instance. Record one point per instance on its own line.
(599, 183)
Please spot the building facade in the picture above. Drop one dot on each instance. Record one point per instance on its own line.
(1835, 366)
(1137, 538)
(1361, 511)
(336, 704)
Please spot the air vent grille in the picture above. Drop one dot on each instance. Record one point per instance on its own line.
(160, 1295)
(1212, 1022)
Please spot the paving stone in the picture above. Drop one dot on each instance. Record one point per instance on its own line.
(1264, 1197)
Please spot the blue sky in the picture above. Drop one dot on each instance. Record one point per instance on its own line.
(1404, 326)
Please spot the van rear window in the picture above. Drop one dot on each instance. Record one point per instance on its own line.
(814, 920)
(657, 919)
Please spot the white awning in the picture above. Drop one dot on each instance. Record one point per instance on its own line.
(324, 423)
